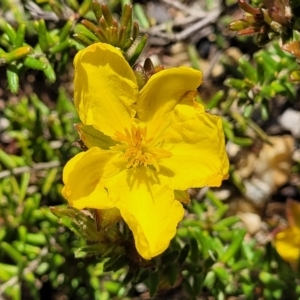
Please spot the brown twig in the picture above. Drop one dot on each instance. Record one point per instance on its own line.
(25, 169)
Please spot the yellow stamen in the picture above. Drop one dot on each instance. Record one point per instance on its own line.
(137, 148)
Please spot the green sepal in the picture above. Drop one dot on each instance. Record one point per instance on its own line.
(238, 25)
(100, 249)
(92, 137)
(80, 222)
(182, 196)
(140, 75)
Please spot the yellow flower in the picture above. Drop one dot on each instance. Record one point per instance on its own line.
(143, 145)
(287, 241)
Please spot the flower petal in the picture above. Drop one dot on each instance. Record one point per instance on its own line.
(197, 144)
(148, 207)
(287, 244)
(105, 88)
(161, 94)
(83, 176)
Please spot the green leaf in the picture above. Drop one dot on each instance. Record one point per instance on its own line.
(247, 70)
(234, 246)
(12, 74)
(153, 282)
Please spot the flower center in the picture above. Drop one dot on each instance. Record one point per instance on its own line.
(137, 148)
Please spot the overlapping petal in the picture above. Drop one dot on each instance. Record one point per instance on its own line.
(162, 92)
(148, 207)
(105, 88)
(83, 177)
(92, 137)
(196, 141)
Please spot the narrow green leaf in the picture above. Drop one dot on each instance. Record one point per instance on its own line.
(84, 7)
(183, 254)
(65, 31)
(6, 160)
(49, 180)
(8, 29)
(172, 273)
(97, 9)
(42, 34)
(141, 16)
(18, 53)
(25, 178)
(12, 74)
(153, 282)
(234, 246)
(60, 47)
(12, 252)
(19, 41)
(134, 52)
(216, 98)
(34, 63)
(247, 70)
(194, 253)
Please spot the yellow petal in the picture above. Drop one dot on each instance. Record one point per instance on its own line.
(149, 209)
(197, 144)
(162, 92)
(83, 176)
(105, 88)
(287, 244)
